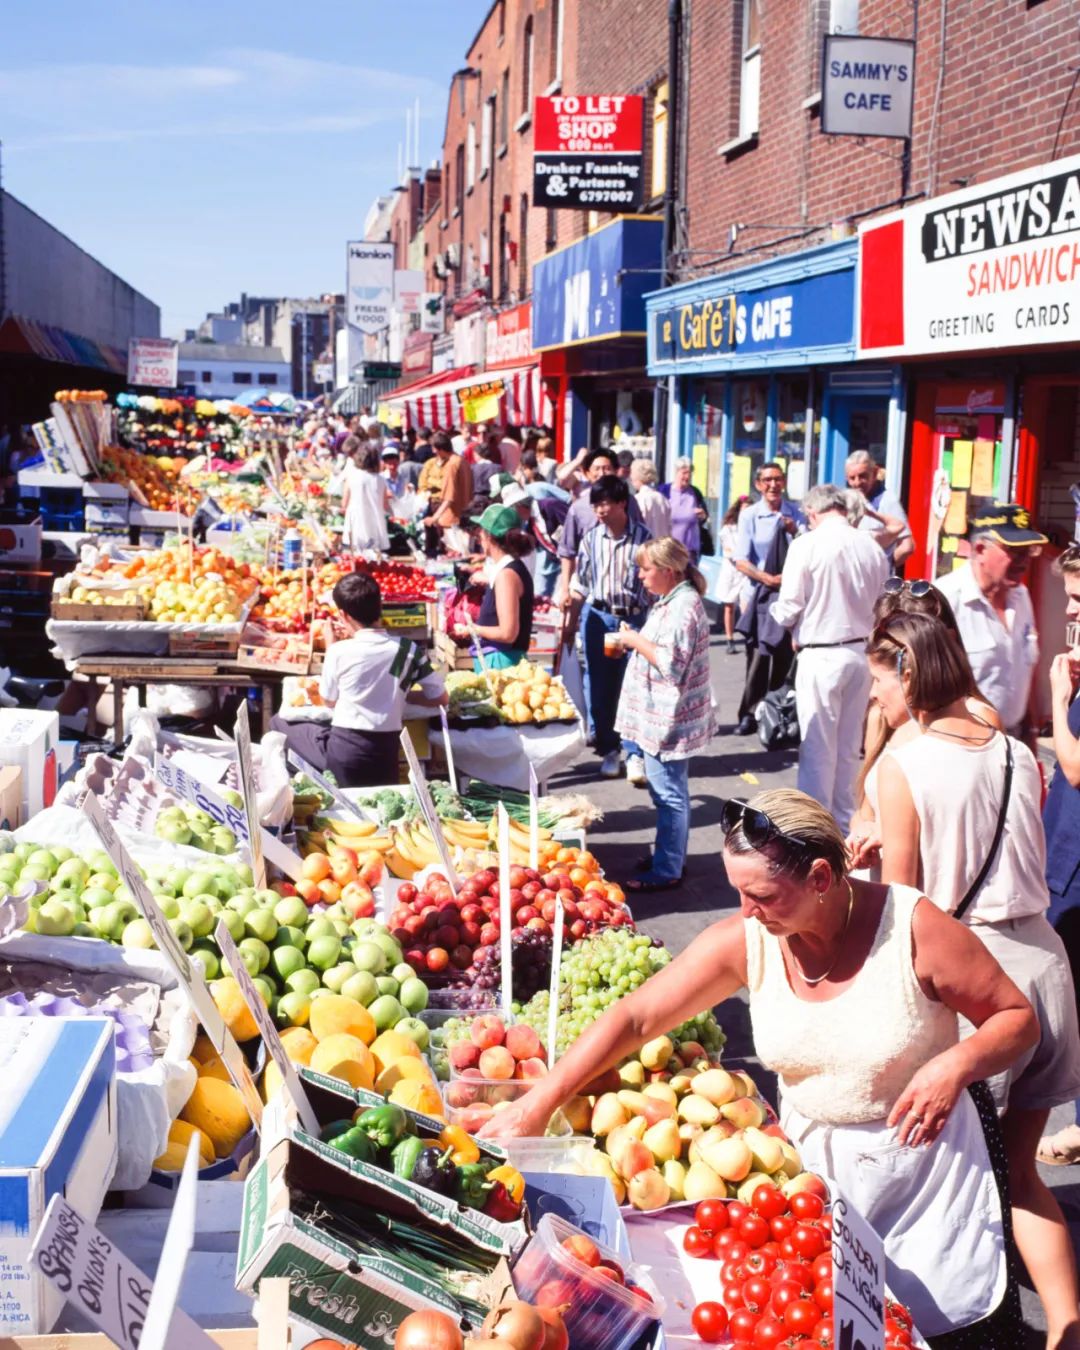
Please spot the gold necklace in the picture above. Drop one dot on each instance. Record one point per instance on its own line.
(817, 979)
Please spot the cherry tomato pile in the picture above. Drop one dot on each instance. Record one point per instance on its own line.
(400, 582)
(775, 1273)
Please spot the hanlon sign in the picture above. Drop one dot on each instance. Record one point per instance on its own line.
(588, 152)
(991, 267)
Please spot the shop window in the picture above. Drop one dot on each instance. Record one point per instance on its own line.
(967, 453)
(186, 376)
(527, 67)
(241, 377)
(555, 48)
(749, 420)
(659, 110)
(709, 442)
(267, 377)
(551, 232)
(487, 132)
(504, 120)
(207, 376)
(523, 246)
(470, 158)
(750, 69)
(459, 176)
(504, 258)
(792, 396)
(826, 16)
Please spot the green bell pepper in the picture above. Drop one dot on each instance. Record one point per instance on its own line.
(356, 1143)
(330, 1132)
(472, 1184)
(384, 1125)
(405, 1154)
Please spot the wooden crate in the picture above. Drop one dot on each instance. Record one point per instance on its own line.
(448, 653)
(287, 660)
(205, 642)
(81, 612)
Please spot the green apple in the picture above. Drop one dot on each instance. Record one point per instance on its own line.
(261, 923)
(183, 932)
(93, 896)
(122, 893)
(258, 949)
(172, 831)
(102, 881)
(286, 961)
(99, 861)
(118, 914)
(137, 933)
(61, 852)
(386, 984)
(292, 911)
(199, 915)
(242, 904)
(35, 872)
(56, 918)
(23, 851)
(223, 839)
(232, 798)
(211, 961)
(168, 904)
(43, 858)
(367, 955)
(243, 872)
(197, 883)
(233, 922)
(267, 899)
(324, 952)
(415, 1030)
(361, 987)
(390, 947)
(319, 927)
(83, 929)
(334, 978)
(293, 1010)
(303, 981)
(386, 1011)
(290, 936)
(74, 868)
(402, 972)
(265, 989)
(198, 817)
(413, 994)
(363, 928)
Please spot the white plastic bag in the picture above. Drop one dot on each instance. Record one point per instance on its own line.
(572, 678)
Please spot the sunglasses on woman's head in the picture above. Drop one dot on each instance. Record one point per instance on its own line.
(758, 828)
(897, 585)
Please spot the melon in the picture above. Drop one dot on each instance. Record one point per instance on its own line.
(345, 1057)
(333, 1015)
(217, 1109)
(234, 1009)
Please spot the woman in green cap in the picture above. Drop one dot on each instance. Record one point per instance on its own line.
(504, 625)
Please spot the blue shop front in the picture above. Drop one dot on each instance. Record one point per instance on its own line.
(761, 364)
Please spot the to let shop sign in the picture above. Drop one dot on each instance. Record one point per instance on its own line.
(153, 361)
(588, 152)
(995, 266)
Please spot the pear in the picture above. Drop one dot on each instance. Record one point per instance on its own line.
(655, 1054)
(608, 1113)
(600, 1165)
(663, 1141)
(728, 1158)
(792, 1164)
(622, 1134)
(743, 1112)
(702, 1183)
(648, 1189)
(746, 1190)
(634, 1102)
(716, 1086)
(681, 1083)
(698, 1111)
(663, 1092)
(632, 1075)
(674, 1173)
(765, 1150)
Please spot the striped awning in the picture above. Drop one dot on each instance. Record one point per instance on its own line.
(27, 337)
(522, 399)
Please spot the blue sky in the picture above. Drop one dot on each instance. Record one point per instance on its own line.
(201, 149)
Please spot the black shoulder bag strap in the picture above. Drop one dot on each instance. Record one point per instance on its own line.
(976, 885)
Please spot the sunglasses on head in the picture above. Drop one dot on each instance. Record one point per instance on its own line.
(758, 828)
(897, 585)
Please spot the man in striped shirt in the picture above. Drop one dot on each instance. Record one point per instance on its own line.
(606, 591)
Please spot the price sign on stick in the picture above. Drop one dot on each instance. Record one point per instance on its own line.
(534, 820)
(448, 748)
(189, 978)
(858, 1279)
(427, 807)
(506, 916)
(247, 791)
(162, 1316)
(556, 970)
(267, 1030)
(335, 792)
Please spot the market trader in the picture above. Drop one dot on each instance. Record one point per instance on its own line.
(607, 591)
(994, 611)
(830, 581)
(365, 679)
(765, 669)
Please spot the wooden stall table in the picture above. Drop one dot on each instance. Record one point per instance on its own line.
(200, 671)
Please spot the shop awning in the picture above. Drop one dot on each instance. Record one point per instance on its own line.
(22, 336)
(514, 397)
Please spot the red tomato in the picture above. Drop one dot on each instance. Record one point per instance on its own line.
(723, 1240)
(696, 1242)
(738, 1250)
(781, 1226)
(768, 1332)
(802, 1316)
(823, 1296)
(710, 1321)
(822, 1267)
(824, 1333)
(787, 1291)
(753, 1230)
(787, 1249)
(806, 1206)
(801, 1274)
(760, 1262)
(769, 1201)
(825, 1224)
(733, 1297)
(756, 1293)
(898, 1312)
(896, 1332)
(711, 1215)
(742, 1324)
(736, 1211)
(808, 1242)
(731, 1272)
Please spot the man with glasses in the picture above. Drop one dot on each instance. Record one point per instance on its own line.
(767, 666)
(831, 579)
(994, 611)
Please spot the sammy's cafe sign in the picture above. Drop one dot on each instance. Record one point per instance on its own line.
(994, 266)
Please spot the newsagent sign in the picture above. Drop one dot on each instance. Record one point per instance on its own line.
(991, 267)
(588, 152)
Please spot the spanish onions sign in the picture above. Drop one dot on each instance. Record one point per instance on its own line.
(866, 86)
(588, 152)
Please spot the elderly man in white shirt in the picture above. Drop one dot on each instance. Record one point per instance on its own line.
(831, 579)
(994, 611)
(893, 534)
(654, 506)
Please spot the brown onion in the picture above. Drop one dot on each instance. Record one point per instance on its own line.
(556, 1335)
(428, 1330)
(519, 1324)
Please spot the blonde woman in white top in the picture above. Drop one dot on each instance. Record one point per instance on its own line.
(941, 795)
(854, 995)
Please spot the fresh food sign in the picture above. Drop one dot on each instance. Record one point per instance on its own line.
(866, 86)
(990, 267)
(369, 285)
(588, 152)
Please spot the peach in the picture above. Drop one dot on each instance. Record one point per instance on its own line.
(460, 1094)
(315, 867)
(308, 890)
(464, 1055)
(487, 1031)
(523, 1042)
(531, 1068)
(584, 1248)
(497, 1062)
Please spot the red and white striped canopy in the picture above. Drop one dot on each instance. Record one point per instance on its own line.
(524, 401)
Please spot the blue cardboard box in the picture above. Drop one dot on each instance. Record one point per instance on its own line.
(57, 1136)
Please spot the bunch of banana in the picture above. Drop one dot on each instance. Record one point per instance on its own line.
(519, 834)
(412, 850)
(360, 835)
(465, 833)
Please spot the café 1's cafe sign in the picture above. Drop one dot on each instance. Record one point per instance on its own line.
(810, 312)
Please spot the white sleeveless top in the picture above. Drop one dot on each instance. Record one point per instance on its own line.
(846, 1061)
(957, 791)
(365, 520)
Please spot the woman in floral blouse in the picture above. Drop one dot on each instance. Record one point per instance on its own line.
(666, 704)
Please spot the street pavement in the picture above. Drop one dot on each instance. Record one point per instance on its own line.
(735, 766)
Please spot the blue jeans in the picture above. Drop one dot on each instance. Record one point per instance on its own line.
(669, 787)
(603, 678)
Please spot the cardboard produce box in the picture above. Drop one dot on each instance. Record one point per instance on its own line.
(11, 795)
(21, 543)
(59, 1135)
(29, 739)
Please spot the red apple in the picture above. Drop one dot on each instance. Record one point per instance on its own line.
(406, 893)
(437, 959)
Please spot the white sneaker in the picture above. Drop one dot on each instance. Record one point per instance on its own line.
(635, 771)
(611, 764)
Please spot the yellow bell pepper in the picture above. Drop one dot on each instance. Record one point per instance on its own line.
(512, 1179)
(465, 1148)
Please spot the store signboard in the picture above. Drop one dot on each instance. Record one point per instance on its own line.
(866, 86)
(588, 152)
(408, 288)
(470, 332)
(814, 311)
(509, 337)
(323, 372)
(992, 267)
(432, 312)
(153, 362)
(369, 285)
(594, 289)
(416, 355)
(858, 1279)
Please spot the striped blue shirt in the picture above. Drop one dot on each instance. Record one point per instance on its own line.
(607, 569)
